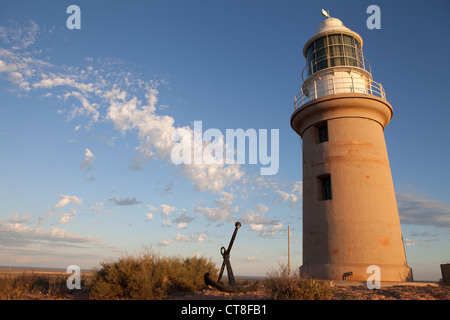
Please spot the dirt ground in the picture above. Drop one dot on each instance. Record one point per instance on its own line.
(356, 292)
(340, 291)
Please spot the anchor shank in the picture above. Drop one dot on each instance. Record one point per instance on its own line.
(237, 226)
(231, 279)
(226, 256)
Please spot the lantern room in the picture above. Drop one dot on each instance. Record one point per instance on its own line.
(335, 64)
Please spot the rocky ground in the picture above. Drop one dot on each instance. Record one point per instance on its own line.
(340, 292)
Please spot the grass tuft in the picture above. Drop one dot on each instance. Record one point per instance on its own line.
(283, 286)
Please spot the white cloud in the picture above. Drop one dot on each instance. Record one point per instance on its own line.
(96, 207)
(155, 132)
(410, 243)
(19, 37)
(255, 218)
(182, 220)
(183, 238)
(130, 104)
(166, 210)
(16, 218)
(253, 259)
(66, 217)
(14, 76)
(67, 199)
(267, 230)
(55, 81)
(262, 208)
(213, 177)
(89, 158)
(292, 197)
(149, 215)
(256, 227)
(222, 211)
(182, 225)
(18, 232)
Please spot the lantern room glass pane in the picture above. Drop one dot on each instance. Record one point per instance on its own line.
(321, 43)
(334, 39)
(310, 51)
(333, 50)
(348, 40)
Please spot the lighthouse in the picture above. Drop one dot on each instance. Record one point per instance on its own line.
(350, 215)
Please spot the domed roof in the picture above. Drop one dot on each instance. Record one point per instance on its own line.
(331, 25)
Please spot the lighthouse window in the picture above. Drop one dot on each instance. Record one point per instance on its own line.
(324, 186)
(323, 133)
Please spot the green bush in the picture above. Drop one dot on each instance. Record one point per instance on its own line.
(148, 276)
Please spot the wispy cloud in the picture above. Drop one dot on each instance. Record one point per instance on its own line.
(293, 196)
(66, 217)
(107, 91)
(418, 210)
(125, 201)
(18, 36)
(182, 220)
(221, 212)
(183, 238)
(66, 199)
(20, 233)
(87, 162)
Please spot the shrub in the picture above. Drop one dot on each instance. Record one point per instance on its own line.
(148, 276)
(32, 286)
(282, 286)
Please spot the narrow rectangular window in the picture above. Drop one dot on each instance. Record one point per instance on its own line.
(323, 133)
(324, 186)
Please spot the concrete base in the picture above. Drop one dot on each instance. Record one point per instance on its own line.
(385, 284)
(359, 272)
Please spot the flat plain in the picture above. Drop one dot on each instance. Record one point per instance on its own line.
(50, 284)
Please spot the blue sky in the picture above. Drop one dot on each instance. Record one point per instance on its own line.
(85, 116)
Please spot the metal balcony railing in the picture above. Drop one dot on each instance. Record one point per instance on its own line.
(334, 85)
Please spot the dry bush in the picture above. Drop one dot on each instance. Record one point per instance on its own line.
(33, 286)
(281, 285)
(148, 276)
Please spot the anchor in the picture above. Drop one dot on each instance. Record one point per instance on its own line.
(232, 287)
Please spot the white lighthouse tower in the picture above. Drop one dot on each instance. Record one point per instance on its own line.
(350, 215)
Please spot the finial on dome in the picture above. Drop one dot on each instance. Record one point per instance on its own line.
(326, 13)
